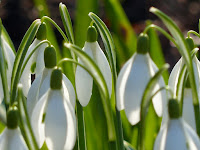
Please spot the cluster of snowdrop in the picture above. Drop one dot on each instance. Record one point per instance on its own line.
(43, 110)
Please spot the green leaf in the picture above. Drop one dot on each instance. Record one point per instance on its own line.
(155, 50)
(82, 21)
(3, 71)
(7, 37)
(182, 47)
(146, 100)
(107, 40)
(23, 48)
(66, 22)
(25, 122)
(95, 72)
(121, 26)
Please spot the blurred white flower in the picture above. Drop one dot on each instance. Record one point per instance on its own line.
(83, 80)
(53, 119)
(176, 134)
(132, 81)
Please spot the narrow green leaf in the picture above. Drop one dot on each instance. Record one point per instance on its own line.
(23, 48)
(3, 71)
(146, 100)
(82, 21)
(95, 72)
(121, 26)
(7, 38)
(66, 22)
(155, 50)
(25, 122)
(107, 40)
(182, 47)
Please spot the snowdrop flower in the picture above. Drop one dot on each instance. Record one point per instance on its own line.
(42, 83)
(54, 117)
(9, 57)
(176, 134)
(133, 79)
(11, 138)
(83, 80)
(188, 109)
(36, 62)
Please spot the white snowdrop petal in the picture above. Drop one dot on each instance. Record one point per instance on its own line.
(121, 83)
(135, 86)
(45, 84)
(32, 97)
(36, 119)
(173, 78)
(160, 99)
(55, 121)
(69, 91)
(1, 90)
(188, 109)
(71, 126)
(192, 137)
(40, 59)
(160, 139)
(12, 140)
(102, 63)
(175, 136)
(25, 80)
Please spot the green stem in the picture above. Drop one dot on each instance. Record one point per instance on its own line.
(81, 127)
(192, 32)
(54, 23)
(167, 35)
(33, 51)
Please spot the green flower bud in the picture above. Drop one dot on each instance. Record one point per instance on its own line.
(190, 43)
(12, 117)
(173, 109)
(91, 34)
(56, 79)
(42, 32)
(50, 57)
(143, 44)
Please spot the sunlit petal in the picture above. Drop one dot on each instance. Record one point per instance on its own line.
(135, 86)
(121, 83)
(37, 117)
(161, 139)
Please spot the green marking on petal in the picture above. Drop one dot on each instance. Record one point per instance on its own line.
(173, 109)
(43, 117)
(56, 79)
(42, 32)
(143, 44)
(50, 57)
(91, 34)
(33, 66)
(12, 117)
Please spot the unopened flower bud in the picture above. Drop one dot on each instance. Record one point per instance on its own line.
(190, 43)
(41, 34)
(91, 34)
(143, 44)
(12, 117)
(50, 57)
(173, 109)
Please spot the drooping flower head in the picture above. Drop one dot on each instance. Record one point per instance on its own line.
(132, 81)
(11, 138)
(53, 118)
(83, 80)
(176, 133)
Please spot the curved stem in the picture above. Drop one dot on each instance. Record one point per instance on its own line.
(167, 35)
(193, 32)
(55, 24)
(36, 47)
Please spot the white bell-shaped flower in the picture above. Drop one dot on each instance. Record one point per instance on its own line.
(53, 119)
(11, 138)
(132, 81)
(176, 134)
(36, 61)
(42, 83)
(188, 109)
(9, 58)
(83, 80)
